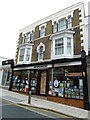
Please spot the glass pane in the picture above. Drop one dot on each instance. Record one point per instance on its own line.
(69, 50)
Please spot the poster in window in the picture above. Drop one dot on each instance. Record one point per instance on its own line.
(61, 92)
(56, 83)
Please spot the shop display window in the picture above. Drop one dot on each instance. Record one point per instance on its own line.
(21, 82)
(66, 82)
(34, 75)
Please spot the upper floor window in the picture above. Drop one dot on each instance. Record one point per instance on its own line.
(59, 46)
(40, 54)
(62, 24)
(42, 31)
(69, 22)
(32, 37)
(28, 54)
(40, 51)
(21, 56)
(55, 27)
(69, 46)
(28, 37)
(23, 38)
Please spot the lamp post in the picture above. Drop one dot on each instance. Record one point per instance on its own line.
(85, 84)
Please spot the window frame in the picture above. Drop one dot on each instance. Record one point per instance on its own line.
(69, 22)
(21, 55)
(40, 53)
(27, 55)
(59, 47)
(69, 46)
(42, 32)
(61, 24)
(55, 27)
(28, 36)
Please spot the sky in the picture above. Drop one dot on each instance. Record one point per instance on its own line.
(16, 14)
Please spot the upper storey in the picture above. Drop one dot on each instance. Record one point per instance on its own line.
(67, 24)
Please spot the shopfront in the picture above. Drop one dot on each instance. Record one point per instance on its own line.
(60, 82)
(34, 80)
(66, 85)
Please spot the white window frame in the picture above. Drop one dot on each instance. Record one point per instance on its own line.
(64, 35)
(27, 37)
(38, 50)
(54, 27)
(69, 46)
(23, 38)
(40, 54)
(24, 60)
(28, 55)
(42, 32)
(69, 22)
(59, 45)
(20, 54)
(62, 24)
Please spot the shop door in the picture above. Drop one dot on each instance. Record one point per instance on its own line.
(43, 83)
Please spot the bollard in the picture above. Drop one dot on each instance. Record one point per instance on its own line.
(29, 97)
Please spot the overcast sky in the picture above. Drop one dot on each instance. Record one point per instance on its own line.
(16, 14)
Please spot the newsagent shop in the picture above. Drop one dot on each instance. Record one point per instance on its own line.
(59, 82)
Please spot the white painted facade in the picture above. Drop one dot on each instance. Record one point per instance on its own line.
(64, 34)
(87, 34)
(1, 69)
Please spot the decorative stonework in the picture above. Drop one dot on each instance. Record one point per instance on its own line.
(41, 44)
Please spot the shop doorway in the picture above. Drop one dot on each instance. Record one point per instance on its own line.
(43, 82)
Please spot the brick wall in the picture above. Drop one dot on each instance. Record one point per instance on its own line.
(71, 102)
(47, 52)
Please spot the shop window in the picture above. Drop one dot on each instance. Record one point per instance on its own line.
(28, 37)
(28, 54)
(69, 49)
(66, 82)
(62, 24)
(59, 46)
(55, 27)
(69, 22)
(21, 81)
(42, 31)
(21, 56)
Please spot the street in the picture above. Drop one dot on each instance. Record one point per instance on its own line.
(12, 110)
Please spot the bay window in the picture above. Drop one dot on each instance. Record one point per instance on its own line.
(25, 53)
(28, 54)
(69, 46)
(59, 46)
(21, 56)
(62, 44)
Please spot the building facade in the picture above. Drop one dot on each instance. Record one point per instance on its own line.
(48, 57)
(4, 73)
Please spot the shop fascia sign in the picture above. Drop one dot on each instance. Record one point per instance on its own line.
(73, 74)
(42, 66)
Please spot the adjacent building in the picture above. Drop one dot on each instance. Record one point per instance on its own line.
(48, 57)
(4, 73)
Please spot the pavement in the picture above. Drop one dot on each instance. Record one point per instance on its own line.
(43, 104)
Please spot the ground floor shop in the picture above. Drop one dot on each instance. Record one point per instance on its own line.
(60, 82)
